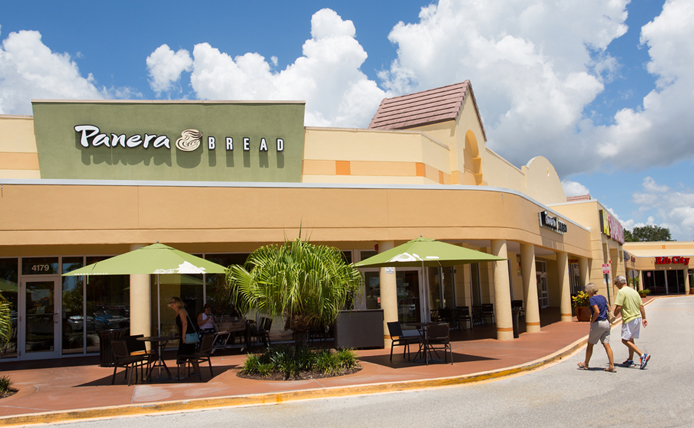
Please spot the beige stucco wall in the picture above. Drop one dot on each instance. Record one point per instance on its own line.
(542, 182)
(646, 252)
(603, 248)
(18, 156)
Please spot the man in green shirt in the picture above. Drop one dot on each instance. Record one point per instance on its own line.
(628, 302)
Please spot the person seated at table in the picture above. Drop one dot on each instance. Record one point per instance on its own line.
(185, 326)
(205, 323)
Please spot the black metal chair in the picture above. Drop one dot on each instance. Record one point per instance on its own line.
(262, 331)
(488, 312)
(438, 338)
(477, 315)
(203, 355)
(398, 339)
(463, 314)
(518, 304)
(139, 348)
(122, 358)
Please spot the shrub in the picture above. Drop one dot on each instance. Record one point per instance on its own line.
(644, 293)
(5, 384)
(291, 363)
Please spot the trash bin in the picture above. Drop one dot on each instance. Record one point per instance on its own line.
(515, 314)
(105, 338)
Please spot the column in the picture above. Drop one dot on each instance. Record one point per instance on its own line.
(583, 270)
(686, 280)
(389, 293)
(640, 280)
(532, 306)
(502, 292)
(140, 302)
(564, 286)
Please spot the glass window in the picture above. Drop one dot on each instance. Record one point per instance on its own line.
(363, 255)
(108, 302)
(348, 256)
(217, 292)
(73, 321)
(9, 269)
(39, 265)
(188, 287)
(372, 289)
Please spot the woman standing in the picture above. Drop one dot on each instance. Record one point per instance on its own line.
(599, 327)
(185, 326)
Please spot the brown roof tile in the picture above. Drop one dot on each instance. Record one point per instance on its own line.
(422, 108)
(578, 198)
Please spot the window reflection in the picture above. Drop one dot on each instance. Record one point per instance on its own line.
(73, 308)
(9, 269)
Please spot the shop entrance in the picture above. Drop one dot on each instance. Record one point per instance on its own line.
(542, 286)
(38, 323)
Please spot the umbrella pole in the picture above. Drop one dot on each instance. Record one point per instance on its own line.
(158, 308)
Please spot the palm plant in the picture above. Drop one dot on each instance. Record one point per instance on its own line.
(308, 284)
(5, 325)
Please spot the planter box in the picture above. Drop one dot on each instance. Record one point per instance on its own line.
(359, 329)
(583, 313)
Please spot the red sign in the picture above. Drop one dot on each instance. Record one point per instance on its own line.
(673, 260)
(605, 268)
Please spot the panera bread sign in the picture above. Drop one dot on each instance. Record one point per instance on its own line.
(190, 140)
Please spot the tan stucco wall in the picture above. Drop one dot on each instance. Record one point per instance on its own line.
(646, 252)
(542, 182)
(603, 248)
(117, 215)
(18, 156)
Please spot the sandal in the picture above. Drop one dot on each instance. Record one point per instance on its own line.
(611, 370)
(582, 365)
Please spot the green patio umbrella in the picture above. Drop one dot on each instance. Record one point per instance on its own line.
(425, 252)
(156, 259)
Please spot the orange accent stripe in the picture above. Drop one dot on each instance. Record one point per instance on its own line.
(420, 170)
(505, 329)
(566, 315)
(532, 323)
(342, 168)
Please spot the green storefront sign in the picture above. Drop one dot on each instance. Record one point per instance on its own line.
(170, 140)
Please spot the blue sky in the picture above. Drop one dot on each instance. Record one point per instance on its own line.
(602, 89)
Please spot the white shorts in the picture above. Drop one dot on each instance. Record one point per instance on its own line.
(631, 329)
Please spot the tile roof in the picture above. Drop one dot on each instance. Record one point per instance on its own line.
(423, 108)
(578, 198)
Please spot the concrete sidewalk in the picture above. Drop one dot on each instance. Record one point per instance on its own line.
(77, 388)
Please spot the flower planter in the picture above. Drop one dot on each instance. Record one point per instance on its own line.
(583, 313)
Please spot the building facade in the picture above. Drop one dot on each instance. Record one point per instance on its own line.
(84, 180)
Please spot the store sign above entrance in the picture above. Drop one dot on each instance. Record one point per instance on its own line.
(552, 223)
(172, 141)
(611, 227)
(673, 260)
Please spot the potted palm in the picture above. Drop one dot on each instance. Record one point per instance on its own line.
(581, 302)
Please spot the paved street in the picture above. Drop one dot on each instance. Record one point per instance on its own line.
(560, 395)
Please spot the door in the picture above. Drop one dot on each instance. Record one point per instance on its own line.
(39, 318)
(407, 289)
(542, 288)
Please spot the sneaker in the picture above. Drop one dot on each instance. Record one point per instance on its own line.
(629, 363)
(644, 360)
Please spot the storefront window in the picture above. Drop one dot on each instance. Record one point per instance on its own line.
(372, 286)
(73, 321)
(9, 269)
(408, 296)
(217, 292)
(108, 302)
(188, 287)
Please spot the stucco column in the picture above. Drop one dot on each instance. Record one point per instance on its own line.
(583, 273)
(140, 302)
(532, 307)
(502, 293)
(686, 280)
(640, 280)
(564, 286)
(389, 293)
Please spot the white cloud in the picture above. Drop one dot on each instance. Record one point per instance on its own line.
(674, 209)
(572, 188)
(327, 76)
(165, 67)
(29, 70)
(534, 66)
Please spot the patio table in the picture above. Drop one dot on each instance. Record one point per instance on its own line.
(158, 343)
(424, 345)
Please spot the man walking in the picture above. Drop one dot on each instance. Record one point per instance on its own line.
(629, 303)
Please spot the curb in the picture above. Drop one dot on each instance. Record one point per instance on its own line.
(282, 397)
